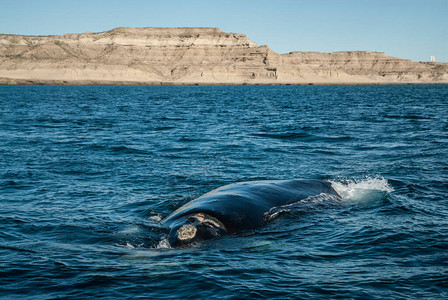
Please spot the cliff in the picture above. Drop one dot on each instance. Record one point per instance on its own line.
(192, 56)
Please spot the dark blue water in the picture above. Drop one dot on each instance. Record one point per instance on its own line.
(87, 173)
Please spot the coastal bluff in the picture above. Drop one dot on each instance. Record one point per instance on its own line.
(189, 56)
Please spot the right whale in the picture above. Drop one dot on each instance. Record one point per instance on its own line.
(237, 207)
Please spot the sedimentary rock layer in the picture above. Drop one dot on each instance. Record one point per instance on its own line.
(193, 56)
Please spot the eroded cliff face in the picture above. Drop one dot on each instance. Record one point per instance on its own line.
(192, 56)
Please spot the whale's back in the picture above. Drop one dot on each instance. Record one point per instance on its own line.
(241, 206)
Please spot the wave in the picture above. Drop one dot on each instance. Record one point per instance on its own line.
(410, 117)
(283, 135)
(289, 135)
(129, 150)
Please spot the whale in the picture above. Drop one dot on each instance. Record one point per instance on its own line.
(236, 208)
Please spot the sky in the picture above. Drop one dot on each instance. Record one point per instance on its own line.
(410, 29)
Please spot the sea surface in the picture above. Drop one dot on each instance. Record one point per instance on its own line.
(88, 172)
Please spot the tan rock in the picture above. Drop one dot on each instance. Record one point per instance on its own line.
(193, 56)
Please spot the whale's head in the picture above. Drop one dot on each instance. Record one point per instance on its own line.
(195, 228)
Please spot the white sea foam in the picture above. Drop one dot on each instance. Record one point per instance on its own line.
(164, 243)
(155, 218)
(367, 190)
(130, 246)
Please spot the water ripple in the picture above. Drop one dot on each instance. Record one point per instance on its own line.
(88, 172)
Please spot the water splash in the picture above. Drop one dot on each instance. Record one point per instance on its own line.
(164, 243)
(155, 218)
(364, 191)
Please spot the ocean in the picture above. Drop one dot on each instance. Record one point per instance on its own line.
(87, 173)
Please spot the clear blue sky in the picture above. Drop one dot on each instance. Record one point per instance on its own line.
(409, 29)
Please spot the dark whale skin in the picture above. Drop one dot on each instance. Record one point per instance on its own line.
(241, 206)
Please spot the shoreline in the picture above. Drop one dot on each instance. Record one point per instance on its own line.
(27, 82)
